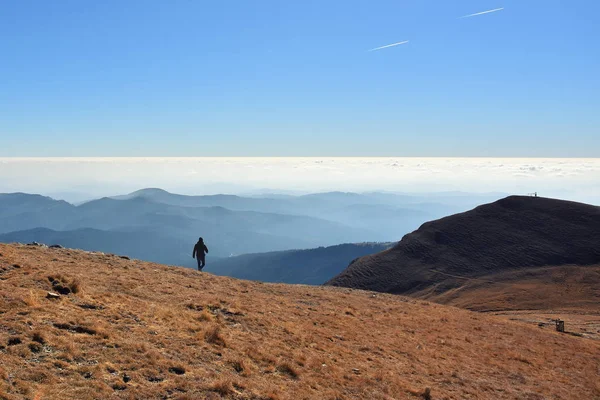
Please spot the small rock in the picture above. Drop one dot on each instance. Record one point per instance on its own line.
(125, 257)
(177, 370)
(426, 394)
(356, 371)
(35, 347)
(126, 378)
(52, 295)
(13, 341)
(60, 288)
(56, 246)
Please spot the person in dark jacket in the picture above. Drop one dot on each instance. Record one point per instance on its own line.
(199, 253)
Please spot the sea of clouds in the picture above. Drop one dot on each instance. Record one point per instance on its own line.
(77, 179)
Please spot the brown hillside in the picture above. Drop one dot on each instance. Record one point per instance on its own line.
(514, 233)
(533, 295)
(551, 288)
(132, 329)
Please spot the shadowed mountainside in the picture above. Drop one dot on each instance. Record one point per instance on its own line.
(514, 233)
(131, 329)
(311, 267)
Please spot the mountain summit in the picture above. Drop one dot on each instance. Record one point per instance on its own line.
(510, 234)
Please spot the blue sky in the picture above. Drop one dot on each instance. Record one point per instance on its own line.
(279, 78)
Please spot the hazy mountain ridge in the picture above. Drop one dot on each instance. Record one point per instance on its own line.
(231, 225)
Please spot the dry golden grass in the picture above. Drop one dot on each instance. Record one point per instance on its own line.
(138, 330)
(533, 295)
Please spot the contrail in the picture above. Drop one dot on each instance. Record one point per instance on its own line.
(481, 13)
(389, 45)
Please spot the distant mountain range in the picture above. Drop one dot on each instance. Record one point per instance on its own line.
(472, 258)
(155, 225)
(310, 267)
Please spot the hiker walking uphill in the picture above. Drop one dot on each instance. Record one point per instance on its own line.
(199, 253)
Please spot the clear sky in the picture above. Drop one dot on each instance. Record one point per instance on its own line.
(279, 78)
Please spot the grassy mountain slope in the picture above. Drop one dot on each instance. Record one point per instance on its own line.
(559, 288)
(311, 266)
(510, 234)
(134, 329)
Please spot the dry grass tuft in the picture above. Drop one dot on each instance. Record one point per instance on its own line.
(224, 387)
(205, 315)
(75, 286)
(31, 299)
(213, 336)
(424, 394)
(288, 369)
(242, 366)
(38, 336)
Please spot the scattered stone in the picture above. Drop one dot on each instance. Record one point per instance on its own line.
(36, 244)
(13, 341)
(60, 288)
(37, 337)
(119, 386)
(56, 246)
(88, 306)
(126, 378)
(35, 347)
(75, 328)
(356, 371)
(52, 295)
(16, 266)
(426, 394)
(177, 370)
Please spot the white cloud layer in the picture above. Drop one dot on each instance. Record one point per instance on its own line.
(575, 179)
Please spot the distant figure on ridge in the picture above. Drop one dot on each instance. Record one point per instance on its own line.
(199, 253)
